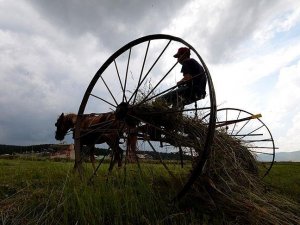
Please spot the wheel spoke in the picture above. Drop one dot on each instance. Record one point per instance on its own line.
(161, 161)
(242, 127)
(261, 140)
(100, 131)
(109, 90)
(119, 78)
(99, 164)
(235, 123)
(153, 89)
(242, 135)
(262, 147)
(265, 153)
(95, 96)
(252, 131)
(126, 75)
(100, 127)
(146, 75)
(140, 77)
(157, 95)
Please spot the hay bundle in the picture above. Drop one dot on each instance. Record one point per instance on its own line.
(230, 184)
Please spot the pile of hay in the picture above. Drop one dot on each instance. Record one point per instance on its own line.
(231, 184)
(236, 189)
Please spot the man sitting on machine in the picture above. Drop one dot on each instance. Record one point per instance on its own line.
(192, 86)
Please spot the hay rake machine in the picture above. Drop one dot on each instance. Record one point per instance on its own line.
(128, 85)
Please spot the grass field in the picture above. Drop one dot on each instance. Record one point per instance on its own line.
(45, 192)
(285, 178)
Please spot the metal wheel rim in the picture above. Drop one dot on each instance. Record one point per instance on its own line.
(260, 125)
(211, 126)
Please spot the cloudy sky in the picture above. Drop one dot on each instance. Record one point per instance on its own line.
(50, 50)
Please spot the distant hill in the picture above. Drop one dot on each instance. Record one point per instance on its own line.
(282, 157)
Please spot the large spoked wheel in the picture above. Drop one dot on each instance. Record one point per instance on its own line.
(251, 131)
(128, 85)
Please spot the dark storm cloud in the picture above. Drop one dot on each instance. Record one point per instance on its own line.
(51, 49)
(113, 22)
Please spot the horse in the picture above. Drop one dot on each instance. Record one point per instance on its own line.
(107, 133)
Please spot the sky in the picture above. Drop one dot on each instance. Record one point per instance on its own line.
(50, 51)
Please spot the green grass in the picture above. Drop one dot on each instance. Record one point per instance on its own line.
(40, 192)
(285, 178)
(47, 192)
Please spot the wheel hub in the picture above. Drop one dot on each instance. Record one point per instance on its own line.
(121, 111)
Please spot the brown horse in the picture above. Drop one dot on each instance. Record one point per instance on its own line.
(98, 129)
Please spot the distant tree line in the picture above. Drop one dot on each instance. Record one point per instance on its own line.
(15, 149)
(10, 149)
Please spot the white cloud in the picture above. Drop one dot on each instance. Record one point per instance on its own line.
(289, 141)
(284, 108)
(279, 24)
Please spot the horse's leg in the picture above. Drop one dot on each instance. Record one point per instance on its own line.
(112, 161)
(92, 157)
(131, 146)
(118, 151)
(111, 144)
(120, 156)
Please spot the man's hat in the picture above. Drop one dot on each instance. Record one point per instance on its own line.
(182, 51)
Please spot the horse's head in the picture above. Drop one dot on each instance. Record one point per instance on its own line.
(63, 124)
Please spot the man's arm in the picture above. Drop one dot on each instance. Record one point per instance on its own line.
(185, 78)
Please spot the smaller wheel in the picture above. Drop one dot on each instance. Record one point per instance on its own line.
(251, 131)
